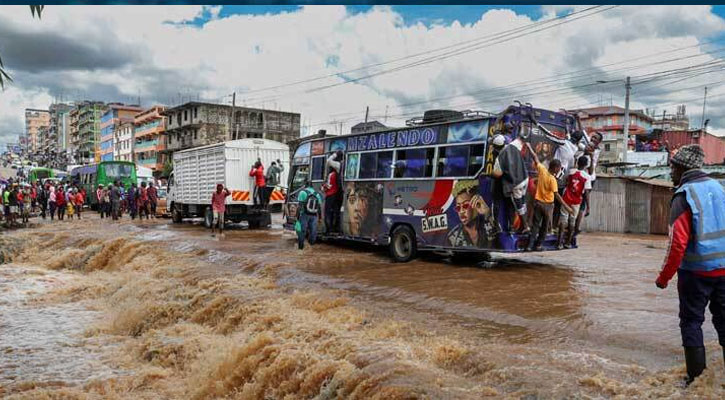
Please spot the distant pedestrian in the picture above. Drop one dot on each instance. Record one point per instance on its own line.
(78, 201)
(132, 201)
(308, 214)
(70, 204)
(257, 172)
(115, 197)
(43, 200)
(272, 180)
(27, 204)
(218, 206)
(695, 252)
(153, 198)
(51, 201)
(60, 203)
(143, 202)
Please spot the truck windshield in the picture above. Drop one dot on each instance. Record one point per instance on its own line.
(300, 177)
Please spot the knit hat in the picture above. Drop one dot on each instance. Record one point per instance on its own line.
(690, 157)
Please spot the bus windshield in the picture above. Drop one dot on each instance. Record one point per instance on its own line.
(41, 174)
(118, 170)
(300, 176)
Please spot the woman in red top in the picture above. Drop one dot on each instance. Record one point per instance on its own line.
(60, 202)
(78, 200)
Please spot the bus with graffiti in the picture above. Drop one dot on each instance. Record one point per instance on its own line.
(430, 185)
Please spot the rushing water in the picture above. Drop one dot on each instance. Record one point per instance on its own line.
(593, 314)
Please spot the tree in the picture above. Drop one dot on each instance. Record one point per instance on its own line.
(4, 76)
(168, 168)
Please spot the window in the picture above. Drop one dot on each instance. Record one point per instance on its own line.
(368, 165)
(196, 112)
(453, 161)
(318, 168)
(185, 115)
(385, 165)
(351, 166)
(606, 147)
(195, 132)
(300, 176)
(414, 163)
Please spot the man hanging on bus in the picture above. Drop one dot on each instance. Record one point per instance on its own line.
(510, 168)
(309, 213)
(333, 194)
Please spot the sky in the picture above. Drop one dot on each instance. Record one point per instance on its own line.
(331, 62)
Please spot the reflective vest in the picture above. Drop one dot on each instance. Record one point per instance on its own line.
(706, 249)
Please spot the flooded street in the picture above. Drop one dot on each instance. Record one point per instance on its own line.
(157, 310)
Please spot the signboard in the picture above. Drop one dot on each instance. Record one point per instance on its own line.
(389, 140)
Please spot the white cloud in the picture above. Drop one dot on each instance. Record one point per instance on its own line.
(242, 53)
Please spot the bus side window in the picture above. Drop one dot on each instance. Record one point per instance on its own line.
(385, 165)
(318, 168)
(351, 166)
(476, 159)
(368, 165)
(414, 163)
(453, 161)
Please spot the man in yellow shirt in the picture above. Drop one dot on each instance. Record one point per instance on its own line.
(547, 191)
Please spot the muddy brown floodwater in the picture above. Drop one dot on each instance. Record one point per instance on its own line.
(95, 309)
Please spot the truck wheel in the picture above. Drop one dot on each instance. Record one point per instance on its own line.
(208, 218)
(403, 247)
(176, 216)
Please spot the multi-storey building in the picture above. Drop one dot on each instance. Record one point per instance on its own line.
(198, 124)
(34, 120)
(123, 142)
(59, 132)
(609, 120)
(114, 115)
(672, 122)
(85, 130)
(150, 139)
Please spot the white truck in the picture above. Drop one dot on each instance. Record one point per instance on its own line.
(197, 172)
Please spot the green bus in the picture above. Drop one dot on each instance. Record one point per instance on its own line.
(103, 173)
(40, 173)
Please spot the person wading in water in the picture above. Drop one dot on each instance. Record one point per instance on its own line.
(695, 253)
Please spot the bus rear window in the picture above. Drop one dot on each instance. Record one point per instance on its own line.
(118, 170)
(318, 168)
(385, 165)
(414, 163)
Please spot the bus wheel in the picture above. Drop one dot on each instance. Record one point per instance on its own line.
(176, 215)
(402, 244)
(208, 218)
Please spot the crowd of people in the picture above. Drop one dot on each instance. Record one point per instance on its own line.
(65, 201)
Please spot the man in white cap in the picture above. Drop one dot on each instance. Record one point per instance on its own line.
(696, 251)
(511, 170)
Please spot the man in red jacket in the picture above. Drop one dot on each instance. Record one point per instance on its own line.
(333, 194)
(257, 172)
(695, 253)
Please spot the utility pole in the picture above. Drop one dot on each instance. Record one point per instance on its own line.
(367, 111)
(234, 105)
(704, 102)
(627, 87)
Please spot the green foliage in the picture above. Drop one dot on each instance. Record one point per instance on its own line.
(4, 76)
(168, 168)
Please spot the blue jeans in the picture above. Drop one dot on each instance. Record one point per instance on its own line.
(695, 292)
(309, 230)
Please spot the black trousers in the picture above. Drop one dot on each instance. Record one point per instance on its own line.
(695, 292)
(332, 214)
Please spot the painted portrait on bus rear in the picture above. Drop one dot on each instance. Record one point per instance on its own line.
(362, 211)
(476, 227)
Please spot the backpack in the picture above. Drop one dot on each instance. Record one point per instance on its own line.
(312, 205)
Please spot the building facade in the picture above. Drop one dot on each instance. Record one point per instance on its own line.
(672, 122)
(150, 139)
(85, 131)
(123, 142)
(609, 120)
(113, 117)
(35, 120)
(59, 131)
(198, 124)
(714, 146)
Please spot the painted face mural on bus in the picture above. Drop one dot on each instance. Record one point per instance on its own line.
(477, 227)
(363, 209)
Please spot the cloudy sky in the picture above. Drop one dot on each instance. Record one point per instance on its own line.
(330, 62)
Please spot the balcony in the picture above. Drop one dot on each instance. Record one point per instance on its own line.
(140, 146)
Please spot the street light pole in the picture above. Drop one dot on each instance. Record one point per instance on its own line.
(627, 87)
